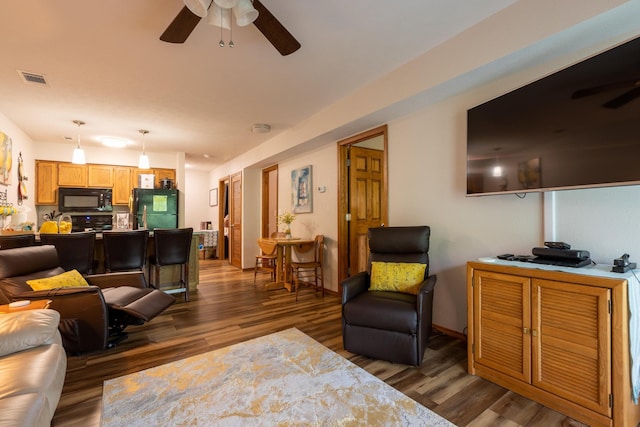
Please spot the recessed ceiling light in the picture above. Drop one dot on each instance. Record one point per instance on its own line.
(113, 141)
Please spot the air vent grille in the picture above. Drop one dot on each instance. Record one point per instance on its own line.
(33, 78)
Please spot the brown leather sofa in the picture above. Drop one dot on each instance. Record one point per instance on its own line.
(91, 317)
(392, 326)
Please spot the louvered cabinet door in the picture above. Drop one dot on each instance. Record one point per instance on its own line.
(501, 324)
(571, 344)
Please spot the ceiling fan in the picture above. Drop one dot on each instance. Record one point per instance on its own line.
(185, 22)
(618, 101)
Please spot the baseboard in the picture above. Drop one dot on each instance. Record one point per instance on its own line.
(450, 332)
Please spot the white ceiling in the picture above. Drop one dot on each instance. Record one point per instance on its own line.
(105, 65)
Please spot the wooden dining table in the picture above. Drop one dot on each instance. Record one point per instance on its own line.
(283, 248)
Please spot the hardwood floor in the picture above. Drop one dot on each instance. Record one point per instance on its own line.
(227, 309)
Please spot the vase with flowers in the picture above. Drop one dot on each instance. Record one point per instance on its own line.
(286, 218)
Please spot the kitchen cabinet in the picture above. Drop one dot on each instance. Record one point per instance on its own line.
(100, 176)
(559, 338)
(72, 175)
(46, 182)
(122, 185)
(162, 174)
(122, 179)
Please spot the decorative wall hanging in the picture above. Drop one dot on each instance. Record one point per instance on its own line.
(22, 186)
(5, 158)
(301, 190)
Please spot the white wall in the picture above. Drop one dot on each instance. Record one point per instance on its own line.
(196, 198)
(424, 103)
(21, 143)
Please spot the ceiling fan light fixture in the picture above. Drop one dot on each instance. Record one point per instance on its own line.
(198, 7)
(219, 17)
(245, 13)
(226, 4)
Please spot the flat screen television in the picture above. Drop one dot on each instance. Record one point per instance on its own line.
(576, 128)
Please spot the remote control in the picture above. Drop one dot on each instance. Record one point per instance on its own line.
(557, 245)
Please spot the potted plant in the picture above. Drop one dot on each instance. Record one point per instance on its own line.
(286, 218)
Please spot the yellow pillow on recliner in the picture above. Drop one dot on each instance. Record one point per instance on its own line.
(403, 277)
(68, 279)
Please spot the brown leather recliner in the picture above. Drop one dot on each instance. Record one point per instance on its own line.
(91, 317)
(385, 325)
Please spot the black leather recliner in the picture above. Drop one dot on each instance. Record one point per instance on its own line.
(386, 325)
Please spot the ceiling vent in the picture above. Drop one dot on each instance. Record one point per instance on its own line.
(33, 78)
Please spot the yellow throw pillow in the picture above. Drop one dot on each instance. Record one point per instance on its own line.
(403, 277)
(68, 279)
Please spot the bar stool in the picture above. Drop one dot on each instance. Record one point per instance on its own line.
(17, 241)
(125, 250)
(171, 247)
(75, 250)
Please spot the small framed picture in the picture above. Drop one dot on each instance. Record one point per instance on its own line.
(122, 220)
(213, 197)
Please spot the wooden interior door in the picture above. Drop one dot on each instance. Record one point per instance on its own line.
(235, 220)
(366, 180)
(363, 200)
(269, 201)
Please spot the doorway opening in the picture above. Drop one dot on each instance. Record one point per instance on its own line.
(269, 209)
(223, 219)
(363, 201)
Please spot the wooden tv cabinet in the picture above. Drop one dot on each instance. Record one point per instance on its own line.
(560, 338)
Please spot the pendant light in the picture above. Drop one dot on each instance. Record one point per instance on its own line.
(78, 153)
(143, 161)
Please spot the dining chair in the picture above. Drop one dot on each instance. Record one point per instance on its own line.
(75, 250)
(17, 241)
(266, 261)
(303, 270)
(172, 246)
(125, 250)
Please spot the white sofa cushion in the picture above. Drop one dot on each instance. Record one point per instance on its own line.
(27, 329)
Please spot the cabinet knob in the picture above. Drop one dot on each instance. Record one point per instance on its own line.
(534, 332)
(525, 331)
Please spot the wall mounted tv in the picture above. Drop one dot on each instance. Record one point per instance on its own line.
(577, 128)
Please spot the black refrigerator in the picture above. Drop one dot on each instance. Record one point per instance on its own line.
(159, 208)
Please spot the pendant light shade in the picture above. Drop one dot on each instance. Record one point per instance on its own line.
(198, 7)
(78, 157)
(245, 13)
(143, 160)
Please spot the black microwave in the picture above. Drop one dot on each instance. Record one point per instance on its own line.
(84, 199)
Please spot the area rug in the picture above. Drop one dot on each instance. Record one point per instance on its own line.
(283, 379)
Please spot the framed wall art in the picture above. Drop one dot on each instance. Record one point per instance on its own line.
(6, 145)
(213, 197)
(301, 190)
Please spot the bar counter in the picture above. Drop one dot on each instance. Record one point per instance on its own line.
(167, 274)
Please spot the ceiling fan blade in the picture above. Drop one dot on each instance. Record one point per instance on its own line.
(621, 100)
(181, 26)
(274, 31)
(603, 88)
